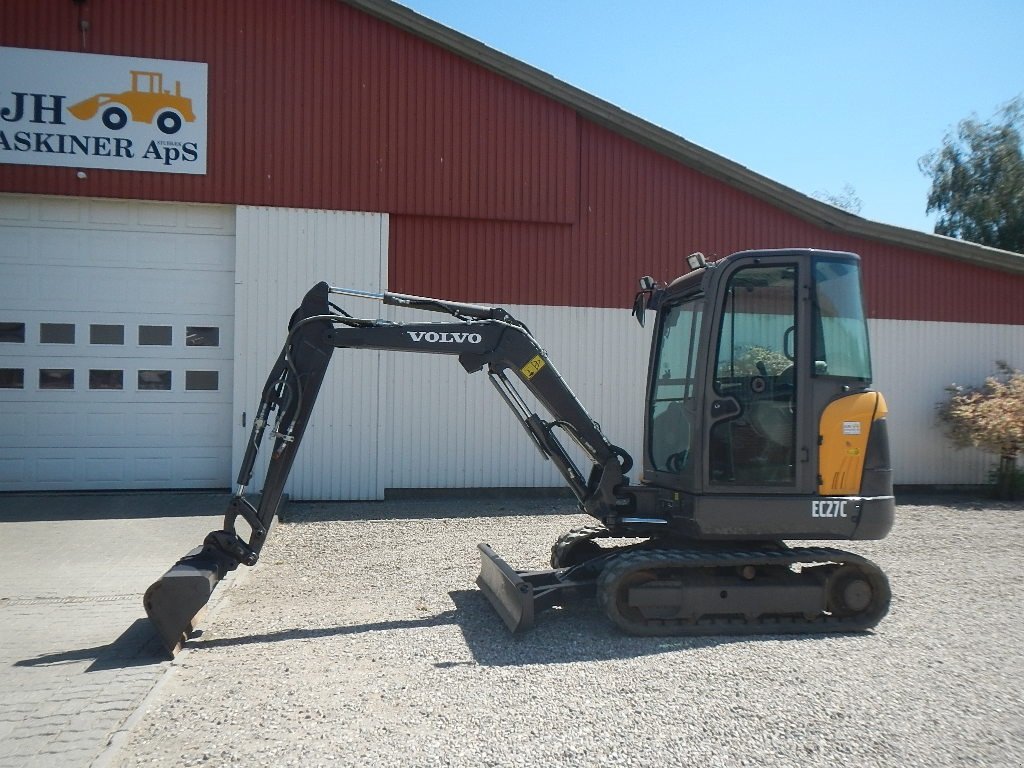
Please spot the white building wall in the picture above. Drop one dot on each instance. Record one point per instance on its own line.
(446, 428)
(280, 254)
(914, 361)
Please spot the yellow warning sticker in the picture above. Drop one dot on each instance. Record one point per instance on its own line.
(533, 367)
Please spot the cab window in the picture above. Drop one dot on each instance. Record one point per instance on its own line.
(674, 390)
(841, 333)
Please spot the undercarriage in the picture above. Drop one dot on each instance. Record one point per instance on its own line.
(666, 586)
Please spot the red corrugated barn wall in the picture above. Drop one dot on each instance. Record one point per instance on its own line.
(495, 192)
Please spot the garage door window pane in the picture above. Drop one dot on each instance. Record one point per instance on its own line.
(56, 378)
(154, 335)
(201, 380)
(105, 379)
(202, 336)
(155, 380)
(106, 334)
(57, 333)
(12, 332)
(12, 378)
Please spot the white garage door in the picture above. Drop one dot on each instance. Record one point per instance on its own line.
(116, 324)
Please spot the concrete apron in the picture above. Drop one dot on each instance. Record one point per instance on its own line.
(79, 660)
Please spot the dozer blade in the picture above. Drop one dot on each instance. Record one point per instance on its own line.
(518, 596)
(176, 601)
(505, 588)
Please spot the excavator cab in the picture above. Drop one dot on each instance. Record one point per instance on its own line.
(759, 396)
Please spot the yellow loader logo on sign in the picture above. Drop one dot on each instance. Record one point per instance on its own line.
(146, 102)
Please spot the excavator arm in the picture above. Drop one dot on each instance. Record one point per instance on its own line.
(480, 337)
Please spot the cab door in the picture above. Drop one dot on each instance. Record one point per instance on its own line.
(756, 386)
(672, 452)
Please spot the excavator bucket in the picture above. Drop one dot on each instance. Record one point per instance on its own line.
(176, 601)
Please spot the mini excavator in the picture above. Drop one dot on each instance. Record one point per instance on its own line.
(760, 426)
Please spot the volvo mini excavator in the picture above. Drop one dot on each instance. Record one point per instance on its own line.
(760, 426)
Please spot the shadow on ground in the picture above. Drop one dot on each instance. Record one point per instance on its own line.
(38, 507)
(427, 508)
(561, 635)
(138, 646)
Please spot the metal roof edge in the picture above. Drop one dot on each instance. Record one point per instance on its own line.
(676, 147)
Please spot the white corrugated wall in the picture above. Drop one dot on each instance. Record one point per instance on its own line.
(914, 361)
(280, 254)
(446, 428)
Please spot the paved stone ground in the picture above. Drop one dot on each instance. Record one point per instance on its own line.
(77, 654)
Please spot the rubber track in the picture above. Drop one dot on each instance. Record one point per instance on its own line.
(681, 559)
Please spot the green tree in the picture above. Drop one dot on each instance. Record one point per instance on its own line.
(978, 180)
(990, 417)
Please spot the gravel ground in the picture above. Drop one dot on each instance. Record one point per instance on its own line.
(360, 640)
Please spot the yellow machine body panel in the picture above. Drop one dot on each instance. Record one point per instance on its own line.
(844, 429)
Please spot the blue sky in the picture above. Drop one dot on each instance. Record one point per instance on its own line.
(813, 94)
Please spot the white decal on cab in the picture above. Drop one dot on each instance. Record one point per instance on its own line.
(828, 508)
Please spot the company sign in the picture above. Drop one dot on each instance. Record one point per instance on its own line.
(82, 110)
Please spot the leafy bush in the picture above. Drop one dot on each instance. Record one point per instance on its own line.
(990, 417)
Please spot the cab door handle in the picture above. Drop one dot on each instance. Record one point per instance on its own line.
(724, 407)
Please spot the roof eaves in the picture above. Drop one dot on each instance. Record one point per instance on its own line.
(672, 145)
